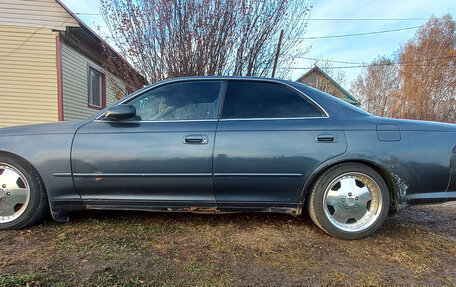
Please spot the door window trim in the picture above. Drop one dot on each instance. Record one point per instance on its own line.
(272, 119)
(220, 96)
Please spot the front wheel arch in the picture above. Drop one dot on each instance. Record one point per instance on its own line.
(23, 160)
(43, 203)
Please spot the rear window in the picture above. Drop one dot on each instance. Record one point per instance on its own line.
(255, 99)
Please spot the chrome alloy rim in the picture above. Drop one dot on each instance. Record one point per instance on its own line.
(14, 193)
(352, 202)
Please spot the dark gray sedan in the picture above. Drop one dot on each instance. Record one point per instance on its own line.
(228, 144)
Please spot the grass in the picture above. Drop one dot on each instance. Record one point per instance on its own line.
(20, 280)
(158, 249)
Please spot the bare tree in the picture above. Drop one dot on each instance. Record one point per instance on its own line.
(171, 38)
(131, 79)
(323, 83)
(321, 76)
(421, 84)
(327, 65)
(378, 86)
(428, 72)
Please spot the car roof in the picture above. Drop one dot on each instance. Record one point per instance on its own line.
(202, 78)
(223, 78)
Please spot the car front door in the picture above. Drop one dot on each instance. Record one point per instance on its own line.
(269, 139)
(163, 158)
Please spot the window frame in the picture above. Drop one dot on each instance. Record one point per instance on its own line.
(224, 80)
(89, 88)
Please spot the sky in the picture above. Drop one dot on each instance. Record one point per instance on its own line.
(357, 49)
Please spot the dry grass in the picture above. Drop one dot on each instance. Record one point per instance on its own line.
(417, 247)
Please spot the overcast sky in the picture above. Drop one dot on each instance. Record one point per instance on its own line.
(356, 49)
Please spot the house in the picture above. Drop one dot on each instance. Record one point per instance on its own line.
(53, 66)
(318, 79)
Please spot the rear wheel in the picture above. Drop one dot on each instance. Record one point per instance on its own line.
(349, 201)
(23, 201)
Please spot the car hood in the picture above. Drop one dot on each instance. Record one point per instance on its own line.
(40, 129)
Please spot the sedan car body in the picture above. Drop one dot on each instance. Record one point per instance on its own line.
(230, 144)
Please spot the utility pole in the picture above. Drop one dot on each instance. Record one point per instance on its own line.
(277, 54)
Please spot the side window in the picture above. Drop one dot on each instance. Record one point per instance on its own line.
(97, 89)
(180, 101)
(254, 99)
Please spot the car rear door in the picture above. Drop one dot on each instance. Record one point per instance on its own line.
(269, 139)
(164, 158)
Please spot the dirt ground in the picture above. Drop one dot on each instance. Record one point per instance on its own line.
(416, 247)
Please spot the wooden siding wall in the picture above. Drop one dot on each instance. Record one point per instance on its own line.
(75, 69)
(35, 13)
(28, 75)
(318, 81)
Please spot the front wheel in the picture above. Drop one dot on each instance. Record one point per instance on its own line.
(23, 200)
(349, 201)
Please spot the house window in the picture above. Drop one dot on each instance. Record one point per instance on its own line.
(97, 89)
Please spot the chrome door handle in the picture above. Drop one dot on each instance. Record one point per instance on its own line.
(326, 138)
(195, 139)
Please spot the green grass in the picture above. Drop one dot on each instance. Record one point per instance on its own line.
(20, 280)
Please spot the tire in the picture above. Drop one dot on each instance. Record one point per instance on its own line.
(349, 201)
(23, 199)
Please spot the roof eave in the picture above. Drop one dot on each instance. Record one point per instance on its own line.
(95, 35)
(345, 92)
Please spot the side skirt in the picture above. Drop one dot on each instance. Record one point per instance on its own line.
(60, 209)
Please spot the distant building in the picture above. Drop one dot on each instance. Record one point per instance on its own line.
(318, 79)
(51, 65)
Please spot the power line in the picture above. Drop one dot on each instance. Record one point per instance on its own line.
(87, 13)
(369, 33)
(314, 19)
(368, 19)
(331, 36)
(328, 60)
(363, 64)
(25, 41)
(359, 34)
(360, 66)
(20, 45)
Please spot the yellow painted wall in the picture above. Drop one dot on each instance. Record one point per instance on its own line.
(35, 13)
(28, 76)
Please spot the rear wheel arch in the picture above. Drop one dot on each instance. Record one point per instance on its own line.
(392, 188)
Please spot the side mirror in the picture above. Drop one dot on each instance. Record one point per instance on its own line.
(121, 112)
